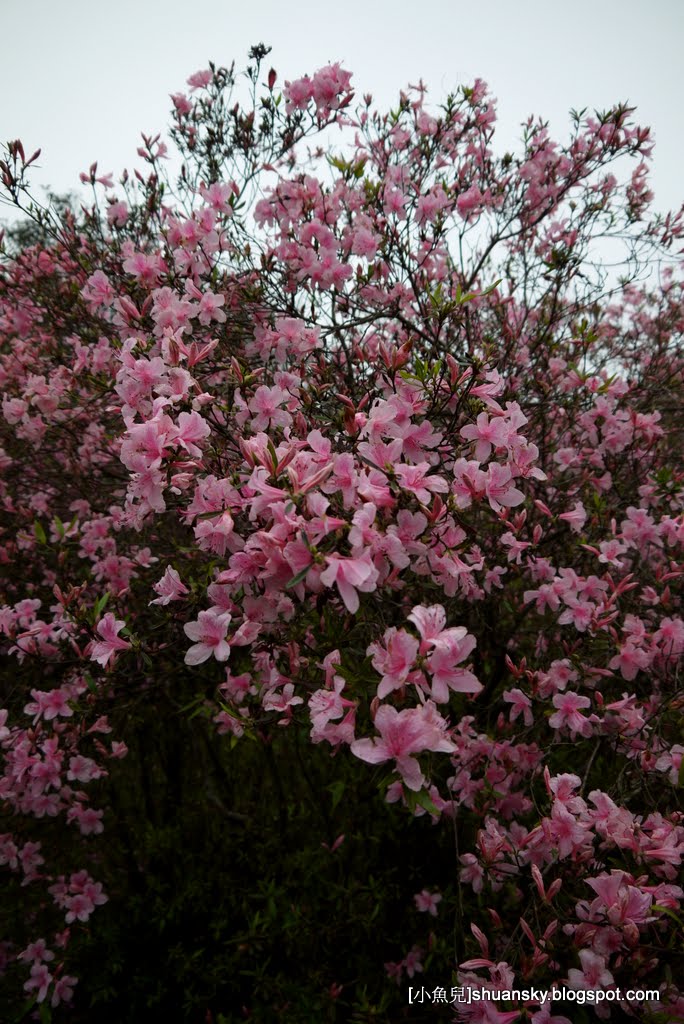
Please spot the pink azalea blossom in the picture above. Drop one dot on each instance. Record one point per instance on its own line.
(63, 990)
(39, 982)
(200, 79)
(576, 518)
(267, 408)
(416, 480)
(403, 734)
(499, 488)
(427, 901)
(486, 434)
(36, 951)
(394, 659)
(630, 660)
(209, 633)
(192, 428)
(169, 587)
(103, 650)
(521, 705)
(569, 714)
(593, 974)
(350, 575)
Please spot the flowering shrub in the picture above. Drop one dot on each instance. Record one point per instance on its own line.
(361, 444)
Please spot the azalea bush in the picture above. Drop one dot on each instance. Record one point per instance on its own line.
(341, 531)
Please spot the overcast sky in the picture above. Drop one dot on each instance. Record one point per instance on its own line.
(83, 78)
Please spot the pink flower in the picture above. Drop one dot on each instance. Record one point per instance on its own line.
(468, 201)
(412, 961)
(670, 637)
(568, 716)
(327, 705)
(579, 613)
(49, 704)
(671, 761)
(145, 268)
(610, 549)
(63, 990)
(431, 624)
(78, 908)
(210, 309)
(329, 86)
(83, 769)
(98, 290)
(281, 700)
(209, 632)
(395, 970)
(191, 429)
(500, 489)
(117, 214)
(630, 660)
(469, 482)
(487, 434)
(402, 734)
(416, 480)
(394, 660)
(427, 901)
(472, 872)
(623, 903)
(265, 407)
(36, 951)
(169, 587)
(576, 518)
(217, 196)
(88, 819)
(442, 665)
(449, 648)
(350, 575)
(522, 705)
(298, 94)
(109, 628)
(200, 79)
(594, 974)
(565, 831)
(40, 981)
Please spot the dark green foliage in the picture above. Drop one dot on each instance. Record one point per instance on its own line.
(224, 902)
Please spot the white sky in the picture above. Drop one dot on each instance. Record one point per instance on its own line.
(83, 78)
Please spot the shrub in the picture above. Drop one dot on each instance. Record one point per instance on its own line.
(341, 509)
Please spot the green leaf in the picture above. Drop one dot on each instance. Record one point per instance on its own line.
(193, 703)
(670, 913)
(338, 163)
(39, 532)
(202, 710)
(25, 1011)
(272, 452)
(100, 605)
(491, 288)
(462, 299)
(337, 790)
(90, 682)
(296, 580)
(420, 799)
